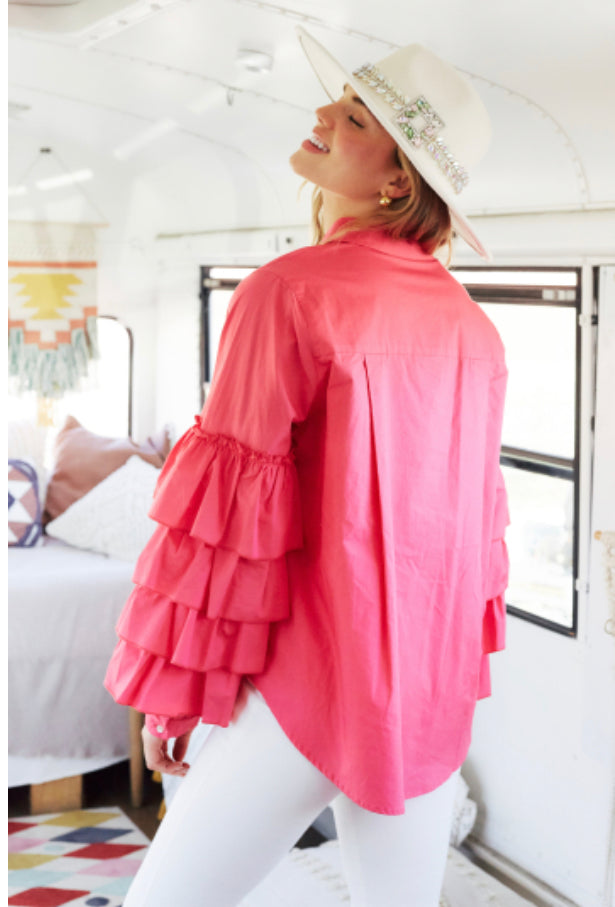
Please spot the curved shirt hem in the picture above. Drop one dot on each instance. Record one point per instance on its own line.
(342, 787)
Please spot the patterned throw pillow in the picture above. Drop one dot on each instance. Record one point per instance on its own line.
(83, 459)
(24, 505)
(112, 518)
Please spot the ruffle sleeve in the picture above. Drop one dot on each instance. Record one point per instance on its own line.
(211, 580)
(213, 577)
(494, 618)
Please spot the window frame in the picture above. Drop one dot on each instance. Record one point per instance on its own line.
(207, 285)
(534, 461)
(517, 458)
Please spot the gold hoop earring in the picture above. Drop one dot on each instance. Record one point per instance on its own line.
(385, 201)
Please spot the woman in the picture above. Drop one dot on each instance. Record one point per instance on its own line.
(327, 577)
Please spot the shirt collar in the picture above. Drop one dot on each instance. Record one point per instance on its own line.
(380, 240)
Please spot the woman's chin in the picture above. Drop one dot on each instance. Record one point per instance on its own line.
(295, 161)
(302, 162)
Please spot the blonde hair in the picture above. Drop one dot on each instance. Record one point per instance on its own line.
(422, 215)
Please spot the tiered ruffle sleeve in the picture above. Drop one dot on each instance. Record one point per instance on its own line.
(213, 577)
(210, 581)
(494, 620)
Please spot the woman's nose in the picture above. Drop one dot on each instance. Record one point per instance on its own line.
(326, 115)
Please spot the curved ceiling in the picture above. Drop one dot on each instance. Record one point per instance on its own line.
(145, 88)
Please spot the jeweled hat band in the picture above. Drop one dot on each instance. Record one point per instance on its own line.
(419, 122)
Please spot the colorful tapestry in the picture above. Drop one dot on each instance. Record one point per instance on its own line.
(25, 526)
(52, 305)
(85, 858)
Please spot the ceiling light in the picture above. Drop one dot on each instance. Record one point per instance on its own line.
(66, 179)
(254, 60)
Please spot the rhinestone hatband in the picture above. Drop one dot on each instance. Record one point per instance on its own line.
(419, 122)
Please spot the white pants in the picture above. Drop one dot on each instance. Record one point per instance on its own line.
(248, 798)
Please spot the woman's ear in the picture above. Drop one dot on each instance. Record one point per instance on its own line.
(399, 187)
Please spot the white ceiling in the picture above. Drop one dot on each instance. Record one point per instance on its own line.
(97, 76)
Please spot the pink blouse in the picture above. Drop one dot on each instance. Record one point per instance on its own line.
(332, 526)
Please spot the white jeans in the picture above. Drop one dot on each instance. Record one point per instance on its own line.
(246, 800)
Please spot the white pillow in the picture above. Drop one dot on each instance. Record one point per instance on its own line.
(112, 518)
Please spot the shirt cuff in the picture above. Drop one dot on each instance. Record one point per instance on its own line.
(164, 727)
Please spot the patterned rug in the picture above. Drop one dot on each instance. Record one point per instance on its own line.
(87, 857)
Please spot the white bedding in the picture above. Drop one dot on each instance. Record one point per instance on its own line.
(63, 606)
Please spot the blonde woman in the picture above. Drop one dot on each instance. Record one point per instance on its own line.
(327, 577)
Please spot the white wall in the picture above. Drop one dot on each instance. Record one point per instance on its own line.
(177, 364)
(566, 237)
(178, 263)
(542, 761)
(602, 574)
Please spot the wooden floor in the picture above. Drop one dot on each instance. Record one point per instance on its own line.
(111, 787)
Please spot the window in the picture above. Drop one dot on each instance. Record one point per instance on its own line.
(537, 315)
(217, 288)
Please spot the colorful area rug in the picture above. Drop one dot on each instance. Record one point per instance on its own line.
(87, 857)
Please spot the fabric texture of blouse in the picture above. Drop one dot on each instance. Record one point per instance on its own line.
(332, 525)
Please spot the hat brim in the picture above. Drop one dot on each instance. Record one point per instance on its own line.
(333, 77)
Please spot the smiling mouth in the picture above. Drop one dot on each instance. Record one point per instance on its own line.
(318, 143)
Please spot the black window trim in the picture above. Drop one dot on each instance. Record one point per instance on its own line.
(533, 461)
(207, 284)
(517, 458)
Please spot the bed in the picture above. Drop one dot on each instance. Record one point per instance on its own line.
(61, 721)
(67, 584)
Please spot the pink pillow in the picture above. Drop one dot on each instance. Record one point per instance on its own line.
(83, 459)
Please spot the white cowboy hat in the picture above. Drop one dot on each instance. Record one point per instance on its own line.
(431, 110)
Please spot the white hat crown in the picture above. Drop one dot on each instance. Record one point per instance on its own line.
(433, 112)
(414, 71)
